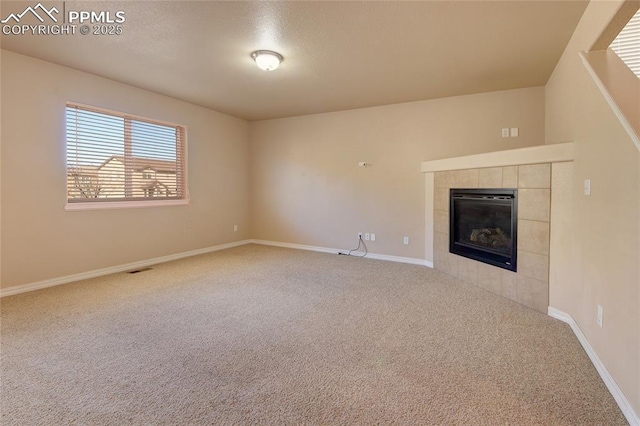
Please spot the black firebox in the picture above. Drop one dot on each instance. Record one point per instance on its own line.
(483, 225)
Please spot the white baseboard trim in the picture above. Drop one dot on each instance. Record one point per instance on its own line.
(10, 291)
(623, 402)
(411, 260)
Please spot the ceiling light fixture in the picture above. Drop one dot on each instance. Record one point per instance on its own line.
(267, 59)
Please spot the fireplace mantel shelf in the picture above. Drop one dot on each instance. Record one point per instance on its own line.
(532, 155)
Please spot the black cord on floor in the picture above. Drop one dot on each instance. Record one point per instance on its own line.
(360, 243)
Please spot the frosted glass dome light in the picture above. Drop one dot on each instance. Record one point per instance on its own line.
(267, 59)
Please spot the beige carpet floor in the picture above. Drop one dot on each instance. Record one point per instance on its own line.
(262, 335)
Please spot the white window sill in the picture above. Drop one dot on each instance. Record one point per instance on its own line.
(108, 205)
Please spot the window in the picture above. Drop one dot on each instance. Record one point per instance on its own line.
(627, 44)
(120, 160)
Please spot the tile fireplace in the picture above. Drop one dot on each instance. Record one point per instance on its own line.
(519, 233)
(483, 225)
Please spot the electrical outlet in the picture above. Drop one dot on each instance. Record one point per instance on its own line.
(505, 132)
(373, 237)
(367, 236)
(405, 241)
(600, 316)
(235, 228)
(359, 235)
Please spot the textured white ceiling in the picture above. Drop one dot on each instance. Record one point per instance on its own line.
(338, 55)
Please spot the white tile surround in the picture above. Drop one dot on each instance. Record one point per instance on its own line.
(529, 170)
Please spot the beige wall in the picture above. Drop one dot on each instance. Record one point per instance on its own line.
(599, 248)
(307, 188)
(40, 240)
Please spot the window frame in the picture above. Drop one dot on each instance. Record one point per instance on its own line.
(127, 204)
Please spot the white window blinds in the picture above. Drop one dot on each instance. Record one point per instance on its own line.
(113, 157)
(627, 44)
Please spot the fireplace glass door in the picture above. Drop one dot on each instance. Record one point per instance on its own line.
(483, 225)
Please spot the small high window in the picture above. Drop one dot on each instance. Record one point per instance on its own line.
(122, 160)
(627, 44)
